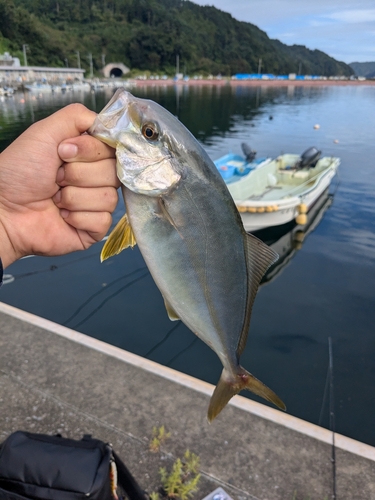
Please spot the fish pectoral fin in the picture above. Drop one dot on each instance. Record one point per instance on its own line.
(173, 316)
(120, 238)
(166, 214)
(259, 257)
(228, 387)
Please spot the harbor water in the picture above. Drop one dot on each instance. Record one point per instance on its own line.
(322, 287)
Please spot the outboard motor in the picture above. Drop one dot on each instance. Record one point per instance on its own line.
(248, 152)
(309, 158)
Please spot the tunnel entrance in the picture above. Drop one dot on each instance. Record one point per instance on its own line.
(116, 72)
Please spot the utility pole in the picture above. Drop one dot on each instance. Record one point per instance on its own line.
(177, 64)
(103, 60)
(259, 66)
(66, 62)
(91, 66)
(24, 48)
(299, 68)
(78, 59)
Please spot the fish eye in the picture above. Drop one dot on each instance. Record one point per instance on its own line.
(150, 132)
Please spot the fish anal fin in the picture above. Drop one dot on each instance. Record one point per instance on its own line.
(228, 387)
(120, 238)
(173, 316)
(259, 257)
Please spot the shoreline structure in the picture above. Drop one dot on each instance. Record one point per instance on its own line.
(253, 83)
(57, 380)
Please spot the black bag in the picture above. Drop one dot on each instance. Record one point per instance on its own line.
(38, 466)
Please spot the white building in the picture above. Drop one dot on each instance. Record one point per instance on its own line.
(12, 72)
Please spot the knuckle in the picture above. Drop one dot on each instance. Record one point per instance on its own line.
(105, 222)
(112, 198)
(74, 174)
(76, 107)
(68, 197)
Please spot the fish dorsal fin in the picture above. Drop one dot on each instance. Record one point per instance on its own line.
(259, 257)
(120, 238)
(173, 316)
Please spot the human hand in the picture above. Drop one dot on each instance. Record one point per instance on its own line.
(58, 187)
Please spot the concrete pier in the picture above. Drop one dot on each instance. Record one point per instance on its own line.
(53, 379)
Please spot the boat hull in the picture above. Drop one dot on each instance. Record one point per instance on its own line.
(287, 210)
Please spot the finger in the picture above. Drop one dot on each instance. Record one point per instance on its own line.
(70, 121)
(94, 223)
(80, 199)
(84, 148)
(97, 174)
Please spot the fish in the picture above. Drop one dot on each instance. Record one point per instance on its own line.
(182, 217)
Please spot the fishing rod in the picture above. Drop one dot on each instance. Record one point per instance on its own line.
(332, 417)
(329, 388)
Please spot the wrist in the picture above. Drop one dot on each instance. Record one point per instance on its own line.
(8, 253)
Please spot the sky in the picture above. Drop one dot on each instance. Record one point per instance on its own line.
(343, 29)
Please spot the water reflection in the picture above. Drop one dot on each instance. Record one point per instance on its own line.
(289, 238)
(322, 286)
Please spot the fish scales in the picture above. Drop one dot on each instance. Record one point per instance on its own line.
(195, 254)
(180, 213)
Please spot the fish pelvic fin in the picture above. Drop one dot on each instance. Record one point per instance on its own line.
(120, 238)
(228, 387)
(173, 316)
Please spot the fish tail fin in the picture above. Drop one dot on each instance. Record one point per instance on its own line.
(228, 387)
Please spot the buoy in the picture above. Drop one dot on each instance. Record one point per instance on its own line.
(241, 208)
(260, 210)
(302, 208)
(252, 210)
(269, 209)
(316, 126)
(336, 141)
(301, 219)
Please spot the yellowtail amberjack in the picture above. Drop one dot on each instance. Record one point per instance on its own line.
(180, 213)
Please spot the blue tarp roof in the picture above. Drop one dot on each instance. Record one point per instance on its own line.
(270, 76)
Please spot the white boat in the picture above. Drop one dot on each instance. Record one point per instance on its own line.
(81, 87)
(38, 88)
(282, 189)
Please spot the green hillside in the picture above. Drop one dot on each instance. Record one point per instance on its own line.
(148, 35)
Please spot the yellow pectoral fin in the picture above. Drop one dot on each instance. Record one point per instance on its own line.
(173, 316)
(120, 238)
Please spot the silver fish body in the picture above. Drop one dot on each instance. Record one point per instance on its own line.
(189, 232)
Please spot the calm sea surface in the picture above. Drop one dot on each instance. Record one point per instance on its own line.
(323, 287)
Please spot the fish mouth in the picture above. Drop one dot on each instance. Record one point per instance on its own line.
(115, 117)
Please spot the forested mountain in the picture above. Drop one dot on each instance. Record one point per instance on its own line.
(366, 69)
(149, 34)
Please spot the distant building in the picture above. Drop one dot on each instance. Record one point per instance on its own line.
(7, 60)
(11, 71)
